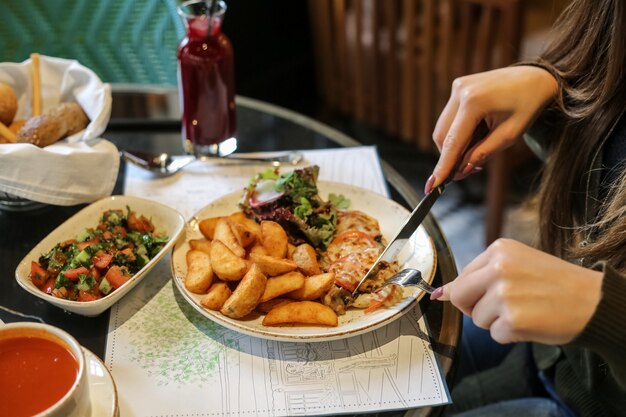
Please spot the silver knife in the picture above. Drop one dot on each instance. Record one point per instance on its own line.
(418, 215)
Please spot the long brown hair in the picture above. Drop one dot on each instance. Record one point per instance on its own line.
(588, 56)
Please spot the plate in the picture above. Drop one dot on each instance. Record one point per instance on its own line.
(165, 219)
(102, 391)
(419, 253)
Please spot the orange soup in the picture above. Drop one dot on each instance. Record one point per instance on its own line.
(35, 373)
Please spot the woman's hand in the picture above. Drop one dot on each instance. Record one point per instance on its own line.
(508, 99)
(522, 294)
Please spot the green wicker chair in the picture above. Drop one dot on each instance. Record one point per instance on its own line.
(123, 41)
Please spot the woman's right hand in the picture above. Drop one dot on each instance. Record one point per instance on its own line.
(508, 99)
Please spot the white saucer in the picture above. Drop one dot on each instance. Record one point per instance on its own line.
(102, 389)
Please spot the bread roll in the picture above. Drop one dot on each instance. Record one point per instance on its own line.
(55, 124)
(8, 104)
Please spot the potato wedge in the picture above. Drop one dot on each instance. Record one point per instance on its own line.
(305, 312)
(274, 239)
(217, 296)
(245, 237)
(247, 294)
(258, 248)
(290, 250)
(273, 303)
(282, 284)
(250, 224)
(199, 271)
(200, 244)
(305, 257)
(224, 234)
(207, 226)
(273, 266)
(314, 287)
(226, 265)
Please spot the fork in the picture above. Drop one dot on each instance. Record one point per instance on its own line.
(410, 277)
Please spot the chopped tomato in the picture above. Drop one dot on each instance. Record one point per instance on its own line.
(67, 243)
(72, 274)
(119, 230)
(48, 286)
(350, 242)
(95, 273)
(348, 271)
(86, 296)
(354, 235)
(87, 243)
(380, 299)
(38, 275)
(128, 252)
(140, 224)
(116, 276)
(102, 259)
(107, 235)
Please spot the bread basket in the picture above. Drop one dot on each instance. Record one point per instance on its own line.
(32, 176)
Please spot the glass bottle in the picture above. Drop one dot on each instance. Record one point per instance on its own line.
(206, 81)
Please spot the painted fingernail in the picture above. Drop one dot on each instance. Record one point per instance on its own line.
(467, 169)
(429, 184)
(437, 293)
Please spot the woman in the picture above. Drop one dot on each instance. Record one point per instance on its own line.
(569, 296)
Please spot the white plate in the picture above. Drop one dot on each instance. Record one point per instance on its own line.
(419, 253)
(102, 391)
(166, 220)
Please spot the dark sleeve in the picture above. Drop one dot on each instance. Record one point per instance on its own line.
(605, 334)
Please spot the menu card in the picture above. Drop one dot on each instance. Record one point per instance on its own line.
(169, 360)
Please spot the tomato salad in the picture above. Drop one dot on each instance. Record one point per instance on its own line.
(98, 260)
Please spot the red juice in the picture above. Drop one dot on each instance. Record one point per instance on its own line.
(207, 87)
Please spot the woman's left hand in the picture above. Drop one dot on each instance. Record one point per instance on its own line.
(522, 294)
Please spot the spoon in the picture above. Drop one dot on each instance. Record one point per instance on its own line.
(165, 164)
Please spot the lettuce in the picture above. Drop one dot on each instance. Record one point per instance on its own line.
(296, 205)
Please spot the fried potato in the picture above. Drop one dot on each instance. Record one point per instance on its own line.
(207, 226)
(258, 249)
(314, 287)
(273, 266)
(226, 265)
(305, 257)
(247, 294)
(282, 284)
(199, 272)
(290, 250)
(200, 244)
(274, 239)
(224, 234)
(217, 296)
(306, 312)
(245, 237)
(269, 305)
(250, 224)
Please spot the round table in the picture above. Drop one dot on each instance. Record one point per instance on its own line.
(147, 119)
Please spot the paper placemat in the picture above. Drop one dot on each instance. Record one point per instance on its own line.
(169, 360)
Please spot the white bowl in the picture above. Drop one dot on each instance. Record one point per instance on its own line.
(166, 220)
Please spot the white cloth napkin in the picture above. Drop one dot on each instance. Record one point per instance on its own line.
(78, 169)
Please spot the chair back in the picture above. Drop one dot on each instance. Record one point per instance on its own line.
(122, 41)
(391, 63)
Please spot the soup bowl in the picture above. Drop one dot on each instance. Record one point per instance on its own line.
(42, 372)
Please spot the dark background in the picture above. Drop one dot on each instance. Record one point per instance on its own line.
(273, 52)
